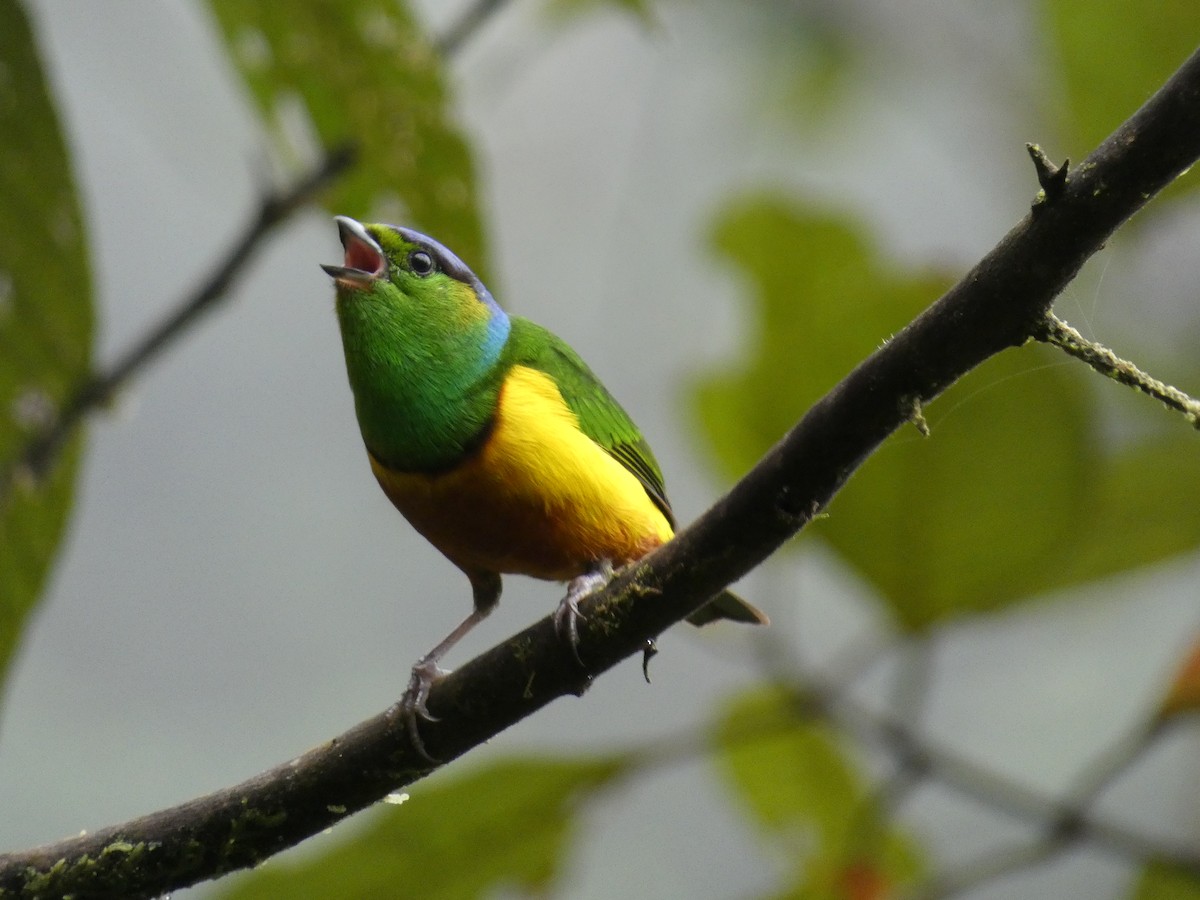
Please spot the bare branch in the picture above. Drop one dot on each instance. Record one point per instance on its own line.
(1064, 821)
(1001, 303)
(275, 208)
(988, 867)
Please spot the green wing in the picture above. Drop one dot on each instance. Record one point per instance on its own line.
(601, 418)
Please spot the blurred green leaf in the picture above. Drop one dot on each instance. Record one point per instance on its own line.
(45, 319)
(923, 518)
(504, 826)
(823, 304)
(362, 71)
(798, 783)
(1013, 494)
(977, 516)
(1112, 57)
(822, 61)
(1162, 881)
(1151, 492)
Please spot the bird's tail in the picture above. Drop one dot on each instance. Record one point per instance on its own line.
(728, 605)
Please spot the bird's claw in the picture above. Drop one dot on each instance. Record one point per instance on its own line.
(567, 615)
(424, 674)
(412, 704)
(566, 622)
(649, 651)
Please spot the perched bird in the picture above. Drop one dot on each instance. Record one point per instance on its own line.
(491, 435)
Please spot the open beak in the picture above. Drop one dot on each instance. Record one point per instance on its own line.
(364, 262)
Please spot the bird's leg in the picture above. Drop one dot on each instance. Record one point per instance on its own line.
(426, 670)
(567, 615)
(486, 588)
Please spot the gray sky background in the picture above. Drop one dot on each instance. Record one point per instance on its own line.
(235, 588)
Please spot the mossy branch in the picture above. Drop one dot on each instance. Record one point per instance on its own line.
(1057, 332)
(1002, 302)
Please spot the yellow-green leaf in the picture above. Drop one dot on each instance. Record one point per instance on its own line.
(1144, 506)
(507, 826)
(977, 515)
(1162, 881)
(939, 525)
(1111, 58)
(799, 784)
(363, 71)
(1012, 495)
(45, 320)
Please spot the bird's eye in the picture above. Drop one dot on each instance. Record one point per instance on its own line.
(421, 263)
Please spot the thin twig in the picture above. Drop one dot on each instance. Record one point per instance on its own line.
(909, 696)
(1062, 820)
(468, 24)
(275, 208)
(989, 867)
(1113, 762)
(913, 679)
(1069, 825)
(1057, 332)
(819, 698)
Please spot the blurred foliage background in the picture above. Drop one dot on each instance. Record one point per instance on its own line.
(724, 207)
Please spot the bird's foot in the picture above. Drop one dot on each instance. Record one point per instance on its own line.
(412, 704)
(567, 615)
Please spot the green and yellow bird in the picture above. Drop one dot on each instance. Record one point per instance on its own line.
(491, 435)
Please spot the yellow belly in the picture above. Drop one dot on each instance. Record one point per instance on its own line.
(539, 498)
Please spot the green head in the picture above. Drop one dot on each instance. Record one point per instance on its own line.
(423, 340)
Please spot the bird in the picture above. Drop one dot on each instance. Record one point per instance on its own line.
(492, 436)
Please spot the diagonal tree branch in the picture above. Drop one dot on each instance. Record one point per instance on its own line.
(1001, 303)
